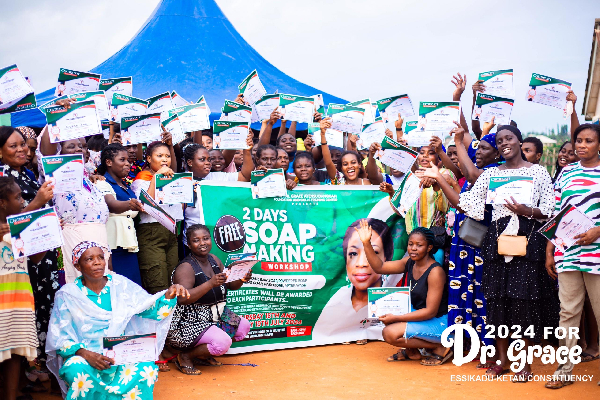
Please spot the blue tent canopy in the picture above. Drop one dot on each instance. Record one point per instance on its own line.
(191, 47)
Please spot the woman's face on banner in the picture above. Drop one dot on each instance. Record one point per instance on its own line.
(359, 271)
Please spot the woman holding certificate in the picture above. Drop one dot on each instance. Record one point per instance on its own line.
(515, 284)
(423, 326)
(203, 326)
(18, 336)
(43, 274)
(99, 306)
(578, 268)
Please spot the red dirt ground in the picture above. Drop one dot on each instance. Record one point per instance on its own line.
(353, 372)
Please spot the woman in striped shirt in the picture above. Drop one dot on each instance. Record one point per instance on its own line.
(578, 268)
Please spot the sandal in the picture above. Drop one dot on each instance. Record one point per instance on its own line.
(362, 341)
(436, 359)
(486, 366)
(496, 371)
(587, 357)
(405, 357)
(184, 369)
(163, 365)
(522, 377)
(207, 362)
(557, 384)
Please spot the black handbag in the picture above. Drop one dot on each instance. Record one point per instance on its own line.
(472, 232)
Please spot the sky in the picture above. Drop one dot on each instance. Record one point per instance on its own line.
(352, 49)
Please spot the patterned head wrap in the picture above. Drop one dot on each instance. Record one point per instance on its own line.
(82, 247)
(27, 132)
(491, 139)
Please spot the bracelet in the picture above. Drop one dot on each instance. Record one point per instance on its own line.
(399, 129)
(323, 143)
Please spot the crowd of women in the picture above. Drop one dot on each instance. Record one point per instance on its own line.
(120, 272)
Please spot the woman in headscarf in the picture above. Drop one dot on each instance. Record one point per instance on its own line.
(99, 305)
(466, 302)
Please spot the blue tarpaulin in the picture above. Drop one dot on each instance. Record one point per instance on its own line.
(191, 47)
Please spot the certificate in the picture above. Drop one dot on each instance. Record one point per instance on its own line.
(418, 138)
(99, 98)
(263, 108)
(237, 266)
(176, 189)
(396, 156)
(65, 170)
(116, 85)
(252, 88)
(160, 104)
(193, 117)
(79, 121)
(502, 188)
(388, 300)
(297, 108)
(155, 211)
(173, 126)
(140, 129)
(34, 232)
(488, 106)
(269, 183)
(548, 91)
(346, 118)
(334, 137)
(105, 129)
(177, 100)
(130, 349)
(390, 107)
(371, 133)
(202, 101)
(407, 194)
(498, 83)
(366, 105)
(126, 106)
(228, 135)
(564, 226)
(71, 82)
(236, 112)
(438, 116)
(16, 94)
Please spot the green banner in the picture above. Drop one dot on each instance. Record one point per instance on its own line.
(308, 284)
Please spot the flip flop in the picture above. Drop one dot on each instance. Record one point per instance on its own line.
(486, 366)
(362, 341)
(395, 356)
(587, 357)
(497, 370)
(442, 359)
(163, 365)
(557, 384)
(207, 362)
(185, 369)
(522, 377)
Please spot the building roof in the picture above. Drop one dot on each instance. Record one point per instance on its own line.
(592, 87)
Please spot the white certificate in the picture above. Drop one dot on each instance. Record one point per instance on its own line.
(173, 126)
(371, 133)
(126, 106)
(346, 118)
(236, 112)
(130, 349)
(502, 188)
(548, 91)
(155, 211)
(297, 108)
(438, 116)
(71, 82)
(116, 85)
(238, 266)
(176, 189)
(270, 183)
(263, 108)
(390, 107)
(99, 99)
(498, 83)
(66, 171)
(228, 135)
(177, 100)
(395, 155)
(488, 106)
(407, 194)
(13, 86)
(193, 117)
(252, 88)
(140, 129)
(388, 300)
(160, 104)
(367, 106)
(334, 137)
(35, 232)
(79, 121)
(417, 138)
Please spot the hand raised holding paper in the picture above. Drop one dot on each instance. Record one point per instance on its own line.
(165, 136)
(487, 126)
